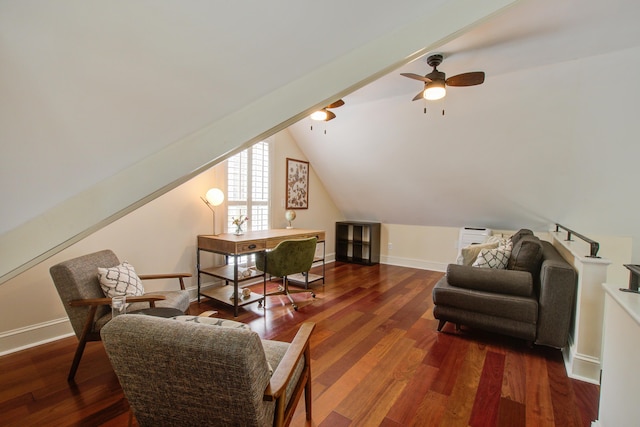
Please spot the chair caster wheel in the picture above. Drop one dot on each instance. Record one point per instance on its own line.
(313, 295)
(295, 307)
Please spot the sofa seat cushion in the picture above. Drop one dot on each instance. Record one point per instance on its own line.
(518, 283)
(513, 328)
(518, 308)
(526, 255)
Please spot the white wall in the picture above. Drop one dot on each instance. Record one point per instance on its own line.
(557, 143)
(159, 237)
(322, 212)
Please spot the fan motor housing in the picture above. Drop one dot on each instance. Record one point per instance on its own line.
(435, 60)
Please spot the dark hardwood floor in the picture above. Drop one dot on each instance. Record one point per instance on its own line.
(377, 360)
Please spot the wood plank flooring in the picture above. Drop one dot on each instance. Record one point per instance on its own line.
(377, 360)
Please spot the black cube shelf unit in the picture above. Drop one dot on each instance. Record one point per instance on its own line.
(358, 242)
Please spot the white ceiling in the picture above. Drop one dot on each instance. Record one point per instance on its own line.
(530, 34)
(505, 155)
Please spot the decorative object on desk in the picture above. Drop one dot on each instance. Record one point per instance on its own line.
(297, 184)
(290, 215)
(239, 222)
(214, 197)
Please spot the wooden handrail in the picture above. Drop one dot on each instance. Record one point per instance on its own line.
(595, 246)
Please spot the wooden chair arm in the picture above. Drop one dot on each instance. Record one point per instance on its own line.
(287, 365)
(106, 301)
(179, 276)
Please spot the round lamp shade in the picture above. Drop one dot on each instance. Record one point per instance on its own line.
(215, 196)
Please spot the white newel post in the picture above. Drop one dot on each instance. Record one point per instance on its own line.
(583, 355)
(620, 376)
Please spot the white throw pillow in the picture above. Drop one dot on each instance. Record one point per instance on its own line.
(493, 258)
(469, 253)
(120, 280)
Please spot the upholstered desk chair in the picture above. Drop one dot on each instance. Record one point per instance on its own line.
(287, 258)
(194, 374)
(87, 307)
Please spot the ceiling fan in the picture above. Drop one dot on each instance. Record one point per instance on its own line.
(435, 82)
(326, 115)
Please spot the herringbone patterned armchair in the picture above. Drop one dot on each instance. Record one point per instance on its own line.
(87, 307)
(191, 374)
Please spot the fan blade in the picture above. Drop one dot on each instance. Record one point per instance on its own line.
(416, 77)
(466, 79)
(338, 103)
(330, 116)
(420, 95)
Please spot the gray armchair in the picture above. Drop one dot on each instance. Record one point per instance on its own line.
(287, 258)
(193, 374)
(79, 288)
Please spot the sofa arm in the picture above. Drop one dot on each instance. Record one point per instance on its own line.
(558, 282)
(519, 283)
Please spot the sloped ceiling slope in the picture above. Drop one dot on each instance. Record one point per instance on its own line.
(547, 138)
(90, 88)
(107, 105)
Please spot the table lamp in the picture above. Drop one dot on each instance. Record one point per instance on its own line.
(214, 197)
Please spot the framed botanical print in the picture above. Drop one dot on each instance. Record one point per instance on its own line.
(297, 184)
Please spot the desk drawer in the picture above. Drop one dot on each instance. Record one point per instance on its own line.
(248, 247)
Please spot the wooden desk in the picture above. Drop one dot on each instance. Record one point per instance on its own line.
(230, 245)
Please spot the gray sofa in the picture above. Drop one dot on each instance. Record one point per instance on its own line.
(532, 299)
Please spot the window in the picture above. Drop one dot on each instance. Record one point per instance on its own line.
(248, 187)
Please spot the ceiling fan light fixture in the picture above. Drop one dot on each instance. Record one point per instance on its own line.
(435, 90)
(319, 115)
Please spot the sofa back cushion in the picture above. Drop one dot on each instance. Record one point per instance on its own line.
(503, 282)
(520, 234)
(526, 255)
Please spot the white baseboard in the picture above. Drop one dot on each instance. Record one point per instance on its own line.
(42, 333)
(414, 263)
(581, 366)
(34, 335)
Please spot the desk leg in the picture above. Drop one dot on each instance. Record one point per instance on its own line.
(198, 270)
(235, 287)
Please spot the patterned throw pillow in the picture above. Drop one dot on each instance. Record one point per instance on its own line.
(214, 321)
(493, 258)
(120, 280)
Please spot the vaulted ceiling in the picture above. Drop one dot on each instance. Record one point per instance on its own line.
(549, 137)
(106, 105)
